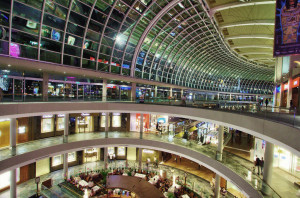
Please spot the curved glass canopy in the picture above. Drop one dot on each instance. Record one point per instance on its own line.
(170, 41)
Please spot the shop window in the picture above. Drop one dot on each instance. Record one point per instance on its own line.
(47, 124)
(5, 179)
(60, 124)
(84, 123)
(72, 157)
(57, 160)
(91, 155)
(121, 151)
(102, 121)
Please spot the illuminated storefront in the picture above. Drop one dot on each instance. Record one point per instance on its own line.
(58, 159)
(5, 179)
(84, 123)
(91, 155)
(47, 124)
(287, 161)
(135, 122)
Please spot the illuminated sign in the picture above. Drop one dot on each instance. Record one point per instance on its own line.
(47, 116)
(85, 114)
(148, 151)
(286, 86)
(61, 115)
(286, 37)
(22, 129)
(296, 82)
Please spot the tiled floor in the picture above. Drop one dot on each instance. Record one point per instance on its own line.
(238, 164)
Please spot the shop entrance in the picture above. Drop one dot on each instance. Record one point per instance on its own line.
(284, 99)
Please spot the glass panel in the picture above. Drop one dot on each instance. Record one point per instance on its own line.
(25, 25)
(27, 12)
(56, 10)
(50, 56)
(5, 5)
(54, 22)
(18, 90)
(80, 92)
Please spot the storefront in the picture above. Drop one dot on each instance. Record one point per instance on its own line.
(84, 123)
(91, 155)
(286, 160)
(284, 94)
(4, 132)
(116, 121)
(258, 150)
(159, 123)
(135, 122)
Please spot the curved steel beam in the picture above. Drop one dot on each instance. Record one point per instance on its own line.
(246, 23)
(147, 30)
(247, 36)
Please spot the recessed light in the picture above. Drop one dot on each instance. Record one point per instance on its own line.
(64, 72)
(40, 69)
(9, 65)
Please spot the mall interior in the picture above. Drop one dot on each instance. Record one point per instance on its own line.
(149, 98)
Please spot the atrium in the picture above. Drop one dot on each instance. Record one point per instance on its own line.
(149, 98)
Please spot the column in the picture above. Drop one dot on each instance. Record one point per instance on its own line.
(290, 93)
(268, 167)
(140, 158)
(13, 135)
(219, 158)
(218, 98)
(181, 93)
(104, 90)
(106, 124)
(274, 96)
(66, 129)
(171, 92)
(133, 91)
(105, 157)
(13, 183)
(45, 86)
(65, 165)
(229, 97)
(206, 96)
(220, 142)
(155, 91)
(141, 126)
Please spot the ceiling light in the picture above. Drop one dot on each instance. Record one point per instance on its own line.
(40, 69)
(9, 65)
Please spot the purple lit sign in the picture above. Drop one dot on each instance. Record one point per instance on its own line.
(14, 50)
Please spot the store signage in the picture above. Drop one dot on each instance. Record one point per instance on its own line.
(47, 116)
(61, 115)
(295, 82)
(286, 86)
(148, 151)
(111, 86)
(125, 88)
(85, 114)
(22, 129)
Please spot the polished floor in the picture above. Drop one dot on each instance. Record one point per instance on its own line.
(238, 164)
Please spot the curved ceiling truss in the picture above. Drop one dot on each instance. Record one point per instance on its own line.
(173, 41)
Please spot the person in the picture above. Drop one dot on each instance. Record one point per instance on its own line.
(267, 102)
(257, 163)
(262, 162)
(142, 98)
(291, 105)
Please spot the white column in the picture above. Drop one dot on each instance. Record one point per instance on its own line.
(274, 96)
(104, 90)
(65, 165)
(66, 129)
(230, 97)
(268, 167)
(181, 92)
(133, 91)
(106, 124)
(13, 183)
(290, 93)
(219, 158)
(171, 92)
(220, 142)
(105, 157)
(45, 86)
(13, 135)
(206, 96)
(155, 91)
(218, 98)
(140, 158)
(141, 126)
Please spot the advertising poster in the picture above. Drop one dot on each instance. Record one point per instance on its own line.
(287, 32)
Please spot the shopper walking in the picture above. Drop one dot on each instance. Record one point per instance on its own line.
(267, 102)
(257, 163)
(262, 162)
